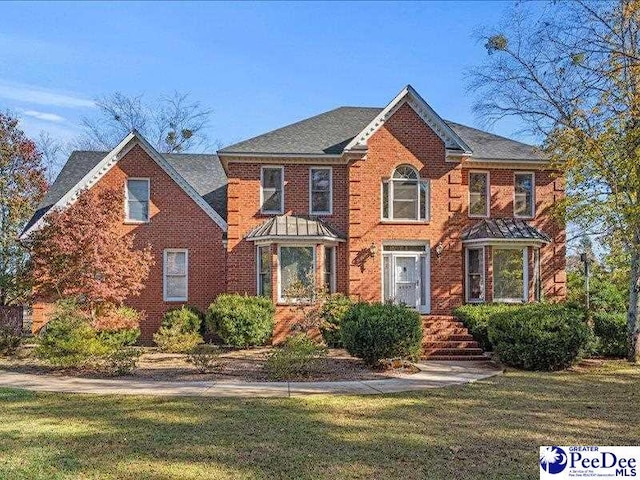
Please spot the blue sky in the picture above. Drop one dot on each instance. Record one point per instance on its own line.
(259, 66)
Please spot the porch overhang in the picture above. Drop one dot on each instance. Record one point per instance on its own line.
(504, 231)
(289, 228)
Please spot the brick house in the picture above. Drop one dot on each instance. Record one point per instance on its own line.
(383, 204)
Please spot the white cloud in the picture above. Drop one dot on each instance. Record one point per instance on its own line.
(41, 96)
(49, 117)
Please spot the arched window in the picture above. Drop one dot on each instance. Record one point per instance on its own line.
(405, 196)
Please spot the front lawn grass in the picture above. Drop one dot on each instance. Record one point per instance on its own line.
(489, 429)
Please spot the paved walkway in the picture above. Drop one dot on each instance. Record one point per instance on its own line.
(432, 375)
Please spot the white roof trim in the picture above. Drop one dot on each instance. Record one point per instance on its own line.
(505, 241)
(101, 169)
(426, 113)
(301, 238)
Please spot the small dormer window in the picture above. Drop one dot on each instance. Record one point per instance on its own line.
(405, 196)
(137, 200)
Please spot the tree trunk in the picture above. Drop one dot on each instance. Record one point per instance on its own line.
(633, 326)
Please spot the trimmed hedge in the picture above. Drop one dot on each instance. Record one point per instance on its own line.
(611, 334)
(476, 318)
(241, 320)
(377, 331)
(539, 336)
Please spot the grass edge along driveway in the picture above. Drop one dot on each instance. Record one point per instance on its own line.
(488, 429)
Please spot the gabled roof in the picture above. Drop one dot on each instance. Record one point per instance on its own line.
(504, 229)
(289, 227)
(329, 133)
(201, 176)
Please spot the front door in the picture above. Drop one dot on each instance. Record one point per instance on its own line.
(407, 280)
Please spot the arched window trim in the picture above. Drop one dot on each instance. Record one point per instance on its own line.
(422, 192)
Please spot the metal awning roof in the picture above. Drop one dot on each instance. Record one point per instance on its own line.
(504, 230)
(289, 227)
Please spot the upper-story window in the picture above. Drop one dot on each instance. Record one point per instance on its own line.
(320, 190)
(523, 200)
(272, 190)
(405, 196)
(137, 200)
(478, 194)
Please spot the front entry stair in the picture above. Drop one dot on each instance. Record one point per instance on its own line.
(446, 338)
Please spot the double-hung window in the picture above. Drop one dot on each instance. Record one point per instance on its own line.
(475, 275)
(264, 270)
(320, 190)
(479, 194)
(405, 196)
(137, 200)
(175, 272)
(523, 200)
(510, 274)
(272, 190)
(329, 269)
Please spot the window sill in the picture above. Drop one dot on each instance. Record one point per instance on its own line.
(407, 222)
(176, 300)
(524, 217)
(321, 214)
(136, 222)
(479, 216)
(269, 214)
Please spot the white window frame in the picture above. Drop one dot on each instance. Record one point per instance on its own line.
(281, 298)
(332, 280)
(487, 213)
(422, 250)
(262, 169)
(258, 272)
(164, 274)
(525, 274)
(427, 207)
(468, 298)
(321, 212)
(126, 200)
(533, 195)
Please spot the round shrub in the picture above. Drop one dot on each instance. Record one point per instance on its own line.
(118, 326)
(174, 340)
(189, 319)
(241, 320)
(477, 317)
(376, 331)
(331, 314)
(611, 334)
(539, 336)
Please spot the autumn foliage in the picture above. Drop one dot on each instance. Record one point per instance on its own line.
(81, 253)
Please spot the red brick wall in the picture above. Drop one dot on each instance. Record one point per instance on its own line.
(176, 221)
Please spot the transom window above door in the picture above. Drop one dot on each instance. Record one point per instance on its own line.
(405, 196)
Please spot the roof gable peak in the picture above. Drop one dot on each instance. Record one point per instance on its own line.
(428, 115)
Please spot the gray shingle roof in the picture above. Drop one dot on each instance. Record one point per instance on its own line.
(203, 172)
(289, 226)
(330, 132)
(504, 229)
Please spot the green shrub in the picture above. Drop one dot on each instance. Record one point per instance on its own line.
(119, 361)
(295, 358)
(9, 340)
(204, 357)
(241, 320)
(331, 314)
(68, 340)
(376, 331)
(476, 318)
(539, 336)
(120, 338)
(611, 334)
(174, 340)
(188, 318)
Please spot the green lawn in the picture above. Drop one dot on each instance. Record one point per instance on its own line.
(490, 429)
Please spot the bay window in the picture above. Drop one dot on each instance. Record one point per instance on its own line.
(264, 271)
(405, 196)
(510, 274)
(329, 273)
(296, 272)
(475, 275)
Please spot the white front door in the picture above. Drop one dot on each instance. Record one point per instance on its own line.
(407, 280)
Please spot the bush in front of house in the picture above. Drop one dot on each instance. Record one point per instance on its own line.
(180, 330)
(331, 314)
(476, 318)
(68, 339)
(118, 326)
(205, 358)
(611, 334)
(540, 336)
(189, 318)
(241, 320)
(295, 358)
(377, 331)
